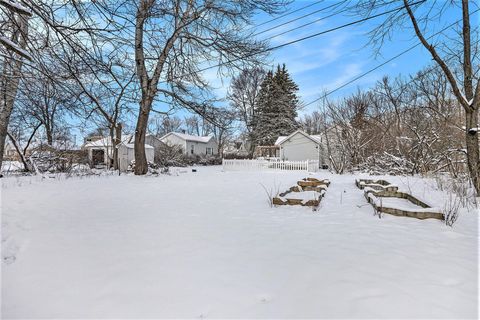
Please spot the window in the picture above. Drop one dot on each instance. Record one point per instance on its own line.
(192, 149)
(209, 150)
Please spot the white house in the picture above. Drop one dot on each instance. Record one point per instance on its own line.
(300, 146)
(192, 145)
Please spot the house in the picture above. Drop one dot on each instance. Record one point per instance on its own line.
(192, 145)
(301, 146)
(100, 150)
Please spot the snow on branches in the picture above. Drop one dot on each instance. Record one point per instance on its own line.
(9, 44)
(16, 7)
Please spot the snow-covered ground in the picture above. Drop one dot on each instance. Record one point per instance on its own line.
(208, 245)
(11, 166)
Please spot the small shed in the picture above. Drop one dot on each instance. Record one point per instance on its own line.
(100, 150)
(126, 154)
(300, 146)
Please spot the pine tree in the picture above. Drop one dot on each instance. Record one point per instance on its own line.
(276, 108)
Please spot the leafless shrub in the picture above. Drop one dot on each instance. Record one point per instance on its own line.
(271, 192)
(459, 186)
(451, 208)
(377, 211)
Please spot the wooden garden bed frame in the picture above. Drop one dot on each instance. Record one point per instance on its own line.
(381, 185)
(307, 184)
(313, 182)
(427, 212)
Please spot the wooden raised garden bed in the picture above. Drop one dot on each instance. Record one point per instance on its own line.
(401, 204)
(308, 192)
(381, 185)
(312, 182)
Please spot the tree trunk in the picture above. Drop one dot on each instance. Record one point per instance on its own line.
(141, 165)
(26, 164)
(9, 84)
(116, 142)
(471, 138)
(111, 131)
(49, 134)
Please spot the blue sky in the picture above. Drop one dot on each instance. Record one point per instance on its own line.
(327, 61)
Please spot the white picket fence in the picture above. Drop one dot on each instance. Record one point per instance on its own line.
(259, 165)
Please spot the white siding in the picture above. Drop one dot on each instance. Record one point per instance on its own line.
(173, 140)
(126, 155)
(200, 148)
(298, 147)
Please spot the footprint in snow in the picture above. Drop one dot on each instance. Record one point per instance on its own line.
(9, 259)
(264, 298)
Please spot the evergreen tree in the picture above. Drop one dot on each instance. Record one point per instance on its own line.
(277, 107)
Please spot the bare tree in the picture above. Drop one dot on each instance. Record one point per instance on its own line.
(44, 100)
(312, 123)
(243, 95)
(22, 131)
(102, 86)
(223, 126)
(13, 52)
(464, 84)
(175, 39)
(162, 124)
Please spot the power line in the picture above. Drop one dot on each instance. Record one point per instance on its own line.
(317, 20)
(382, 64)
(286, 14)
(305, 25)
(298, 40)
(298, 18)
(311, 22)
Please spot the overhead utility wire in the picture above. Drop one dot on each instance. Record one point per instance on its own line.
(286, 14)
(298, 18)
(383, 63)
(297, 40)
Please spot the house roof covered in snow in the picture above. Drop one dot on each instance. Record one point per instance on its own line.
(314, 138)
(188, 137)
(107, 141)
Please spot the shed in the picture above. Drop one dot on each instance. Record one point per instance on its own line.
(126, 154)
(100, 150)
(300, 146)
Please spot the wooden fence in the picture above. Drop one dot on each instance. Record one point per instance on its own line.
(259, 165)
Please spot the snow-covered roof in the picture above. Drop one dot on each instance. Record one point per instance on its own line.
(282, 139)
(188, 137)
(107, 141)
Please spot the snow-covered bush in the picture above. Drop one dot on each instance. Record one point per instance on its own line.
(236, 155)
(385, 163)
(169, 155)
